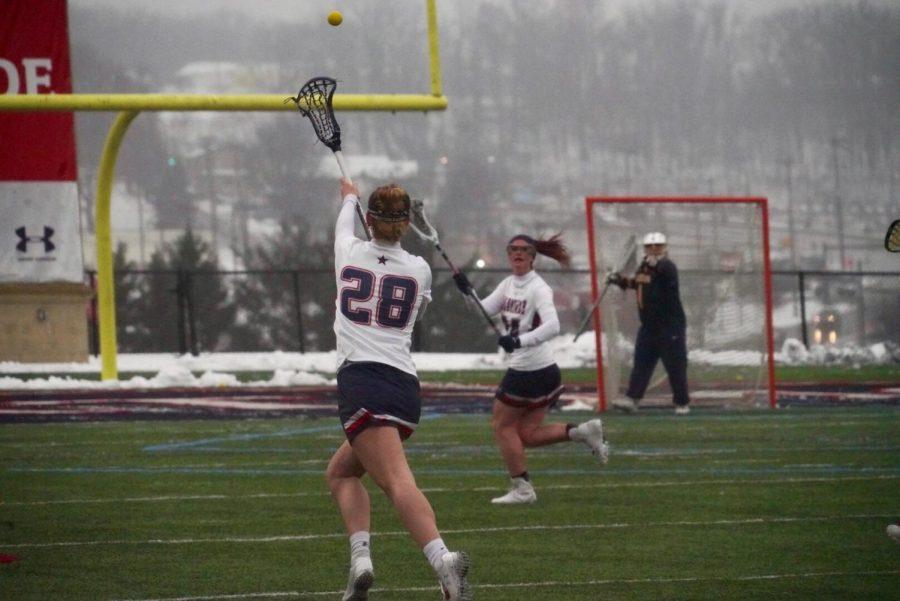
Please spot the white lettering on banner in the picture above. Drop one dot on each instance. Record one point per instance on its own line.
(12, 76)
(33, 78)
(36, 73)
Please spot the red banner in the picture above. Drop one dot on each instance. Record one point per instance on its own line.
(34, 59)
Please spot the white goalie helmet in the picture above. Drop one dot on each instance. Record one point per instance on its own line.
(654, 238)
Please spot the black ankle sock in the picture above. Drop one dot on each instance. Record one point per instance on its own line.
(523, 476)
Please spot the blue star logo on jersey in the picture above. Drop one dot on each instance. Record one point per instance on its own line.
(382, 260)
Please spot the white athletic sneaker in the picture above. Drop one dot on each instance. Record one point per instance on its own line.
(360, 580)
(452, 576)
(682, 410)
(520, 491)
(591, 434)
(625, 404)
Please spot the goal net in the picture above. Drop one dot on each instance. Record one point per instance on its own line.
(720, 247)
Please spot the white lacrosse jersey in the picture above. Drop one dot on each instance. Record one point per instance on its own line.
(525, 304)
(381, 291)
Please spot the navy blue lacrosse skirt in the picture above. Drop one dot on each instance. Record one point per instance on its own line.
(531, 389)
(376, 394)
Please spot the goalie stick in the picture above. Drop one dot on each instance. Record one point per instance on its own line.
(314, 102)
(420, 224)
(629, 255)
(892, 237)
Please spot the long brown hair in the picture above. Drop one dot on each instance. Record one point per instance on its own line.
(552, 247)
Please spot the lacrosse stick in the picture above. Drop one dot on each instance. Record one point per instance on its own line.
(629, 257)
(314, 101)
(426, 231)
(892, 238)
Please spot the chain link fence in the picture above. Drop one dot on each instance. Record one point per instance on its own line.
(293, 310)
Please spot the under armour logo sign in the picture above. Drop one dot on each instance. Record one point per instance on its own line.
(24, 239)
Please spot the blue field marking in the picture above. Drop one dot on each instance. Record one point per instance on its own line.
(204, 443)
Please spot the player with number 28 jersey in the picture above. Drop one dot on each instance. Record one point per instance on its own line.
(382, 291)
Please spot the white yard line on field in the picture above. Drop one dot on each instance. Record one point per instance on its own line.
(542, 584)
(671, 483)
(519, 528)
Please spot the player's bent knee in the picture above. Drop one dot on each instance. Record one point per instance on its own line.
(337, 471)
(333, 475)
(395, 485)
(528, 439)
(500, 425)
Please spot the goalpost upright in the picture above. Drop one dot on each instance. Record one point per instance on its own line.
(721, 248)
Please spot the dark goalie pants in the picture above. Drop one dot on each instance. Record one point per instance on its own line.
(652, 345)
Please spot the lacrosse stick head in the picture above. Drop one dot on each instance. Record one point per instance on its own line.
(314, 102)
(892, 238)
(420, 224)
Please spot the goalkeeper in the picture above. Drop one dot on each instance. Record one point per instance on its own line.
(663, 326)
(533, 382)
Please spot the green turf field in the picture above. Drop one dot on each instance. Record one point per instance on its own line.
(788, 504)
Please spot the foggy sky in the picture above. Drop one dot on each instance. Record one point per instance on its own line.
(309, 10)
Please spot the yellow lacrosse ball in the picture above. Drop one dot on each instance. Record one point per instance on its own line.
(335, 18)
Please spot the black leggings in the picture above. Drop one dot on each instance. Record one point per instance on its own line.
(652, 345)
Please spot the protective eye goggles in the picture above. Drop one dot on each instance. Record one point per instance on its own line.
(511, 248)
(390, 216)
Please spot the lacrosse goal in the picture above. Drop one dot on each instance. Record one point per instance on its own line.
(721, 249)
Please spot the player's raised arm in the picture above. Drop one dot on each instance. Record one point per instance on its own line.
(343, 228)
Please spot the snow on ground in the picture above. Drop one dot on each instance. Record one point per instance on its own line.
(301, 369)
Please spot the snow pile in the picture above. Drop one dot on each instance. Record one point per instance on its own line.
(311, 369)
(877, 354)
(794, 353)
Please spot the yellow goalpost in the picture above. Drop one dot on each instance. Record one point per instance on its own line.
(130, 106)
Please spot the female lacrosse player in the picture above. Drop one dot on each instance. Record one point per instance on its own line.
(381, 291)
(532, 383)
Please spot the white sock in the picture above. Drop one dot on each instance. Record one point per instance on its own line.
(434, 551)
(359, 545)
(575, 433)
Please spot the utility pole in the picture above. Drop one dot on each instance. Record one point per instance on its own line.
(789, 184)
(838, 201)
(141, 239)
(788, 164)
(209, 168)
